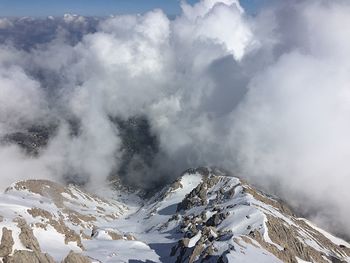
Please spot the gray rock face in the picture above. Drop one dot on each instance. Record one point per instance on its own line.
(198, 196)
(219, 199)
(6, 242)
(216, 219)
(76, 258)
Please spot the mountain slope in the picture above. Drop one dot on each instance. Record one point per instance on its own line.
(203, 216)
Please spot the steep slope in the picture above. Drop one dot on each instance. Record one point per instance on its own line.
(45, 216)
(203, 216)
(206, 215)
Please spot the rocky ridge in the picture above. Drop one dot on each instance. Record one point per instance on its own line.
(205, 215)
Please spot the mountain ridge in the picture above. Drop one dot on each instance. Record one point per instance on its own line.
(204, 215)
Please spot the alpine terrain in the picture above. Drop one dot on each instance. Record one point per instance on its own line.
(204, 216)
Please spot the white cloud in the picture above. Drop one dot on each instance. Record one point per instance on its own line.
(264, 96)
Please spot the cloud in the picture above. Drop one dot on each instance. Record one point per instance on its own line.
(5, 23)
(204, 21)
(263, 96)
(291, 128)
(21, 99)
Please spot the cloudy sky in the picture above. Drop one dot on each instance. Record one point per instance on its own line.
(263, 94)
(100, 7)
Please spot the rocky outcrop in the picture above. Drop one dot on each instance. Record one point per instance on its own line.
(27, 237)
(28, 240)
(202, 250)
(260, 196)
(211, 217)
(216, 219)
(198, 196)
(25, 256)
(6, 242)
(280, 233)
(62, 195)
(73, 257)
(118, 236)
(58, 224)
(70, 210)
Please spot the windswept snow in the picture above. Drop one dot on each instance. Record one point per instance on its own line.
(200, 215)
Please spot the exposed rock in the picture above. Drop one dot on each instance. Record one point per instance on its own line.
(220, 217)
(36, 212)
(216, 219)
(185, 242)
(26, 236)
(115, 236)
(73, 257)
(71, 236)
(130, 237)
(25, 256)
(198, 196)
(44, 188)
(197, 251)
(210, 233)
(60, 194)
(71, 202)
(341, 249)
(278, 204)
(6, 242)
(185, 253)
(291, 242)
(59, 225)
(176, 185)
(113, 233)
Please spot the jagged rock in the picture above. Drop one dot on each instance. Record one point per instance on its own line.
(115, 236)
(27, 237)
(176, 185)
(216, 219)
(59, 225)
(185, 242)
(25, 256)
(187, 254)
(71, 236)
(198, 196)
(289, 241)
(65, 199)
(6, 242)
(278, 204)
(73, 257)
(221, 218)
(130, 237)
(289, 238)
(198, 249)
(209, 233)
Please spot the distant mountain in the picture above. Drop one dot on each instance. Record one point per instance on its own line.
(204, 216)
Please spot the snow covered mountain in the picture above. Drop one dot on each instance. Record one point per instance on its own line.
(203, 216)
